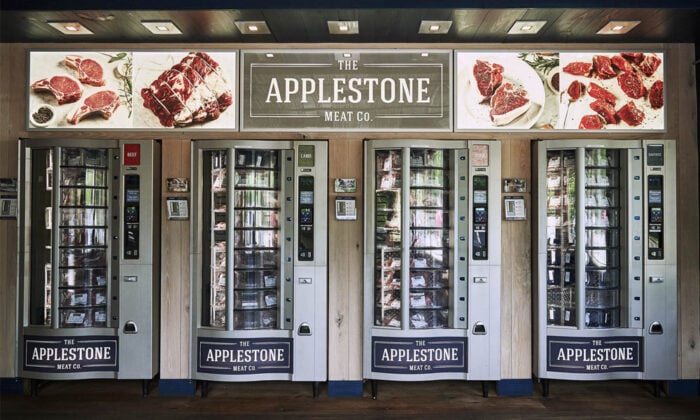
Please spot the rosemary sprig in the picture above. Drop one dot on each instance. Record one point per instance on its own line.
(543, 63)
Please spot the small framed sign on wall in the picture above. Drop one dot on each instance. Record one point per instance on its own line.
(178, 208)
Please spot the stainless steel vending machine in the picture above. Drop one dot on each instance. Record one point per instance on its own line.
(89, 259)
(260, 266)
(432, 260)
(605, 260)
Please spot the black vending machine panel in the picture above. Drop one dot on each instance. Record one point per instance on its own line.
(306, 218)
(132, 193)
(480, 217)
(656, 217)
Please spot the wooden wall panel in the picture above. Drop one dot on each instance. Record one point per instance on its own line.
(175, 269)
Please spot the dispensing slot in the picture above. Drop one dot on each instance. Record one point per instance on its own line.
(304, 329)
(479, 329)
(656, 328)
(130, 328)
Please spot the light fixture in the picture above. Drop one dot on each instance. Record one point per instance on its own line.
(269, 55)
(343, 27)
(70, 28)
(161, 27)
(434, 27)
(252, 27)
(617, 27)
(526, 27)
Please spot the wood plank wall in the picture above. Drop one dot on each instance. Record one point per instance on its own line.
(346, 238)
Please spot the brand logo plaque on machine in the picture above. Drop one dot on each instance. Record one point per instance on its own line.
(250, 356)
(595, 354)
(419, 355)
(71, 354)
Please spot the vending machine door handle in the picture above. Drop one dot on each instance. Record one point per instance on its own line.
(656, 328)
(479, 328)
(304, 329)
(130, 328)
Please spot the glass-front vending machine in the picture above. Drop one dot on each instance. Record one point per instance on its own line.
(89, 269)
(605, 260)
(432, 261)
(260, 261)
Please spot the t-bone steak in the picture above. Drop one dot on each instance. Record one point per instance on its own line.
(65, 88)
(508, 103)
(630, 114)
(591, 122)
(603, 67)
(631, 83)
(487, 77)
(104, 102)
(194, 90)
(89, 71)
(656, 94)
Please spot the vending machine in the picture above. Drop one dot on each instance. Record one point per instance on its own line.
(89, 260)
(605, 260)
(260, 265)
(432, 261)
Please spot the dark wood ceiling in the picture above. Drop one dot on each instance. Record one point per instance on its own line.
(25, 21)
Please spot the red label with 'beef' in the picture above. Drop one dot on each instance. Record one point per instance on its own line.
(132, 154)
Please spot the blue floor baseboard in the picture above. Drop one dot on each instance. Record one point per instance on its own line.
(345, 388)
(176, 387)
(684, 388)
(11, 386)
(514, 387)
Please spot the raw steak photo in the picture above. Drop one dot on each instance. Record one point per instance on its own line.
(630, 114)
(656, 94)
(576, 90)
(631, 83)
(599, 92)
(508, 103)
(89, 71)
(104, 102)
(591, 122)
(65, 88)
(605, 110)
(603, 67)
(578, 68)
(192, 91)
(488, 77)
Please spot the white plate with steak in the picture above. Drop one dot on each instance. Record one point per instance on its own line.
(498, 91)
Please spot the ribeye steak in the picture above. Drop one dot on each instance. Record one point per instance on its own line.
(65, 88)
(603, 67)
(89, 71)
(656, 94)
(591, 122)
(508, 103)
(194, 90)
(631, 83)
(630, 114)
(104, 102)
(487, 76)
(600, 92)
(578, 68)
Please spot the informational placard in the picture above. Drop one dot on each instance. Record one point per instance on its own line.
(345, 208)
(559, 91)
(70, 354)
(350, 90)
(146, 90)
(514, 207)
(592, 355)
(418, 356)
(250, 356)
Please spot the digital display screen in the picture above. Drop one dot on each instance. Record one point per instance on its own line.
(655, 181)
(655, 197)
(480, 215)
(132, 195)
(481, 182)
(306, 197)
(480, 197)
(306, 216)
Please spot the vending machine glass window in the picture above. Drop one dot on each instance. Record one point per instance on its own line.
(256, 231)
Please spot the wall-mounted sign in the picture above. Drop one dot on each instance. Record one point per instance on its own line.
(153, 90)
(593, 355)
(417, 356)
(70, 354)
(559, 91)
(347, 90)
(250, 356)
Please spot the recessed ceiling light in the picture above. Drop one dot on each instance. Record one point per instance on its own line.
(526, 27)
(347, 55)
(424, 54)
(161, 27)
(269, 55)
(252, 27)
(617, 27)
(70, 28)
(434, 26)
(343, 27)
